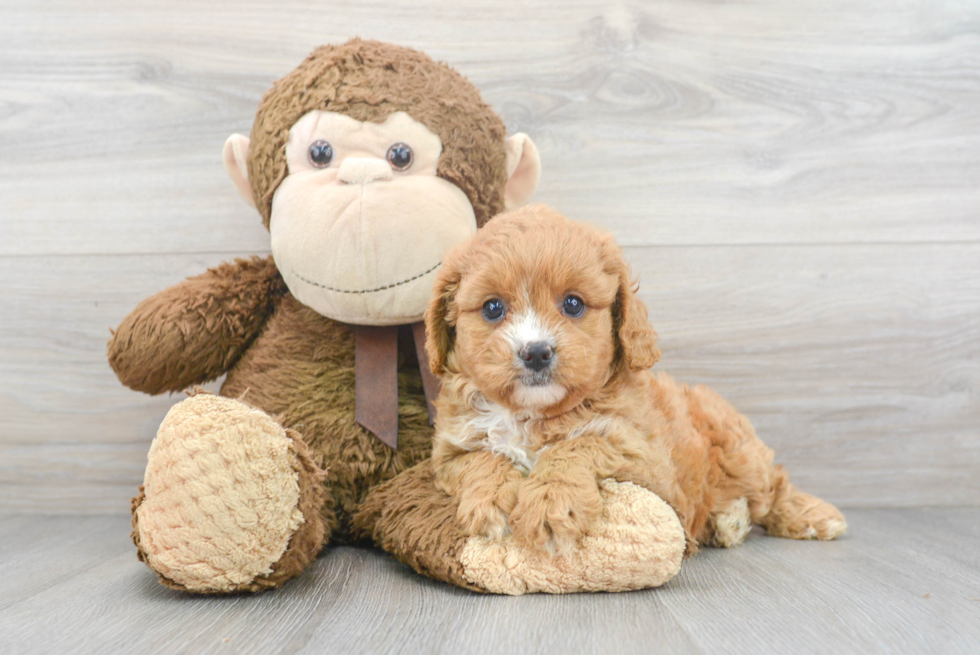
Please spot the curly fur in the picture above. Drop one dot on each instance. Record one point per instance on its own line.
(614, 420)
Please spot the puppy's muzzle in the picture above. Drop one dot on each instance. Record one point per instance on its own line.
(536, 355)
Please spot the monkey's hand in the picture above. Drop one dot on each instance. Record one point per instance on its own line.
(194, 331)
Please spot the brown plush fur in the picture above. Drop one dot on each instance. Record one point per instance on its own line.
(604, 416)
(369, 81)
(279, 355)
(301, 370)
(291, 363)
(193, 332)
(411, 520)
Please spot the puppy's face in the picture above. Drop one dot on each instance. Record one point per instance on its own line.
(534, 332)
(538, 312)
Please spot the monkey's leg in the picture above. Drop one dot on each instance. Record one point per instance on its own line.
(231, 500)
(637, 542)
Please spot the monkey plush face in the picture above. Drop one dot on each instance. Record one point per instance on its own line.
(368, 163)
(361, 222)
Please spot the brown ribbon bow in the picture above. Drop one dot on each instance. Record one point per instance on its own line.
(376, 378)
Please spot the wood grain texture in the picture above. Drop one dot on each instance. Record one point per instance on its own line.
(797, 183)
(672, 121)
(858, 364)
(902, 581)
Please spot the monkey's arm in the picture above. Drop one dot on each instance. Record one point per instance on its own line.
(194, 331)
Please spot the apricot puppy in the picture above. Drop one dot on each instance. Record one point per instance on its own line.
(544, 351)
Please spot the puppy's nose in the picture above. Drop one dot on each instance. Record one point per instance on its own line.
(537, 355)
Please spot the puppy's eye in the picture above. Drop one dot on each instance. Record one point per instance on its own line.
(573, 306)
(493, 310)
(321, 154)
(400, 156)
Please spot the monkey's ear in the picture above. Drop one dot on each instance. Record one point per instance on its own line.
(523, 170)
(235, 155)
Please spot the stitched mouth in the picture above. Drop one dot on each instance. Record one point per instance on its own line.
(374, 290)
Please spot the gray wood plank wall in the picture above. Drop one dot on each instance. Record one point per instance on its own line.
(797, 185)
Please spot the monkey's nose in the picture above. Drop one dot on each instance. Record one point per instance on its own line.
(536, 355)
(362, 170)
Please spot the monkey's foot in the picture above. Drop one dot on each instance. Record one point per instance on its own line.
(637, 542)
(230, 502)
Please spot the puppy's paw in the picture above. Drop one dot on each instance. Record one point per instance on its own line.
(486, 514)
(553, 515)
(825, 523)
(806, 517)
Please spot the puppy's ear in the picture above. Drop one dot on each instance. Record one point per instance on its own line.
(440, 319)
(637, 340)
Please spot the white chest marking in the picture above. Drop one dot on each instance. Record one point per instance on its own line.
(498, 430)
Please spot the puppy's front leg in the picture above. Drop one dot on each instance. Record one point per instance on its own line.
(560, 499)
(485, 485)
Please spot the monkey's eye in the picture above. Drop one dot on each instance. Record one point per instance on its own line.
(400, 156)
(573, 306)
(321, 154)
(493, 310)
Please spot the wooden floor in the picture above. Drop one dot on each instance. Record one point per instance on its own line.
(902, 581)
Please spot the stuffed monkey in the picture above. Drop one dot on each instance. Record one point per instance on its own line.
(367, 163)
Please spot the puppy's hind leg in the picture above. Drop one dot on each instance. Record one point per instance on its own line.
(796, 514)
(743, 467)
(730, 527)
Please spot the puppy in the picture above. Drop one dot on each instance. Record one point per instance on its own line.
(544, 349)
